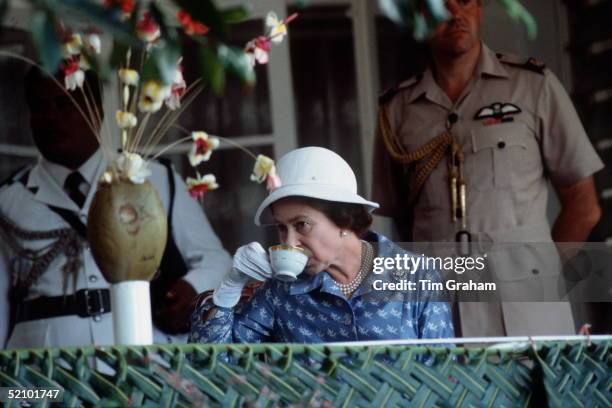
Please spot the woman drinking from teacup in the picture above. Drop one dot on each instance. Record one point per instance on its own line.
(318, 282)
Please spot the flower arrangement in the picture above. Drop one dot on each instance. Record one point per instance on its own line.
(143, 96)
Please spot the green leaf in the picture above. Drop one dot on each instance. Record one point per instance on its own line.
(97, 65)
(120, 49)
(113, 393)
(303, 3)
(519, 13)
(437, 10)
(399, 11)
(107, 19)
(235, 14)
(420, 28)
(167, 31)
(205, 12)
(7, 380)
(79, 388)
(46, 40)
(236, 61)
(161, 63)
(212, 69)
(407, 13)
(39, 379)
(117, 58)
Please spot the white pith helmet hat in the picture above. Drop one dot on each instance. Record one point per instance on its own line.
(313, 172)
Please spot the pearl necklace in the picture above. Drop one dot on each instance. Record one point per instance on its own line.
(367, 253)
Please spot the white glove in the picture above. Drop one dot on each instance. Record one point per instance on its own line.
(250, 263)
(252, 260)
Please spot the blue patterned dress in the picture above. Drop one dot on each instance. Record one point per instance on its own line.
(314, 310)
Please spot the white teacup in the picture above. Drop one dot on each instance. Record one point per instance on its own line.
(287, 262)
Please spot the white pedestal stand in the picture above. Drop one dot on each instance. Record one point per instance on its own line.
(131, 306)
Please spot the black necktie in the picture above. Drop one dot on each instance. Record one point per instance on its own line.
(74, 186)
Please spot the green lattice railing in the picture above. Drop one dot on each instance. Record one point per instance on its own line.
(554, 373)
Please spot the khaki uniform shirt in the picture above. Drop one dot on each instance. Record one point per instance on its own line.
(517, 128)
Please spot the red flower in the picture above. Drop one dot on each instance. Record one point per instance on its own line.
(263, 43)
(190, 26)
(73, 75)
(147, 29)
(202, 147)
(178, 88)
(198, 187)
(258, 50)
(198, 191)
(71, 65)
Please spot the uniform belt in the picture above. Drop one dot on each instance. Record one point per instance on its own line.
(83, 303)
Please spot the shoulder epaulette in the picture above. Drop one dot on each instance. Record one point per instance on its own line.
(530, 63)
(390, 93)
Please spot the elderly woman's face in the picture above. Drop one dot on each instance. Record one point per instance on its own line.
(303, 226)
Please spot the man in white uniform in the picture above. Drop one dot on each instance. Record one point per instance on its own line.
(52, 294)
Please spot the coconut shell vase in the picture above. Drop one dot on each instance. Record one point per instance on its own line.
(127, 231)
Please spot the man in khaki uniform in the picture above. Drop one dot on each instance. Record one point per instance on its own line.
(496, 127)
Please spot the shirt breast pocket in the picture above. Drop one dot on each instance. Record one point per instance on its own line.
(501, 156)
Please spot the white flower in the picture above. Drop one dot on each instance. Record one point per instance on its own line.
(264, 167)
(278, 28)
(152, 96)
(202, 147)
(129, 76)
(177, 89)
(72, 46)
(148, 105)
(132, 167)
(155, 90)
(125, 120)
(94, 43)
(74, 80)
